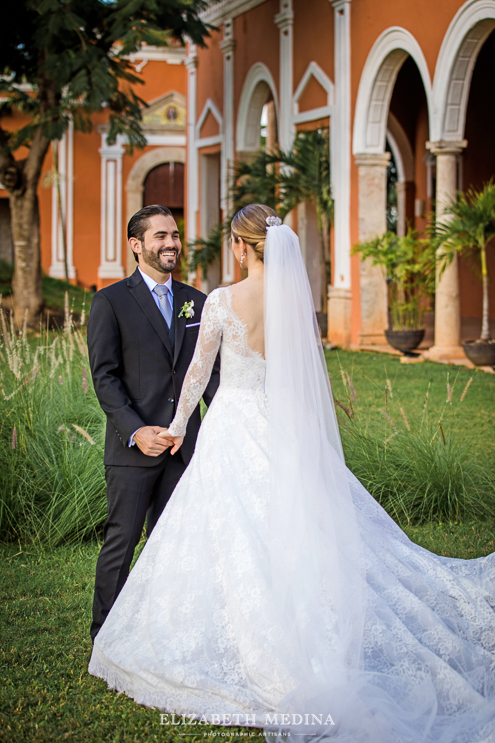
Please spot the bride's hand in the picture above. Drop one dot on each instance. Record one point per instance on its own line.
(174, 441)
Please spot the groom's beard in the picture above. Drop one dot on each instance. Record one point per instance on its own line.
(160, 261)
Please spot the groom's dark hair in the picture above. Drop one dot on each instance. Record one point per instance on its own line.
(140, 221)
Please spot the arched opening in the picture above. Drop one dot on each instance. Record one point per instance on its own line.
(476, 166)
(257, 115)
(164, 185)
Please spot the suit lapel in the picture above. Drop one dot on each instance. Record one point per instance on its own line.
(180, 296)
(143, 297)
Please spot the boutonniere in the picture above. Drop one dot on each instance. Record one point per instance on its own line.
(187, 310)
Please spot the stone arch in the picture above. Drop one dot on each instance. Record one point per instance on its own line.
(385, 59)
(259, 86)
(135, 183)
(467, 33)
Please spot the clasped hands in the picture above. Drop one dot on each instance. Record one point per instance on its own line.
(154, 440)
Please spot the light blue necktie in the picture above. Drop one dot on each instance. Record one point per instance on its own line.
(165, 307)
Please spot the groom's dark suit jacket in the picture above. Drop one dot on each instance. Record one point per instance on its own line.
(136, 376)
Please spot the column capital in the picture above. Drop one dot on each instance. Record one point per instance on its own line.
(227, 45)
(285, 19)
(340, 5)
(191, 60)
(372, 159)
(446, 147)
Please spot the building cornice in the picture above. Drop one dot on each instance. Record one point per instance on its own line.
(169, 54)
(218, 12)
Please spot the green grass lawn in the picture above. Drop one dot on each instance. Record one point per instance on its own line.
(407, 387)
(45, 595)
(46, 692)
(45, 607)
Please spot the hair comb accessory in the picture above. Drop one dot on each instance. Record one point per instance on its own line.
(273, 221)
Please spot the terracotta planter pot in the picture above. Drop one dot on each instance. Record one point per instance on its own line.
(404, 340)
(481, 353)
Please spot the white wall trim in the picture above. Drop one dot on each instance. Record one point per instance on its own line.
(169, 54)
(397, 155)
(209, 141)
(404, 152)
(192, 152)
(340, 144)
(285, 22)
(66, 173)
(207, 108)
(111, 210)
(382, 66)
(166, 140)
(467, 33)
(217, 12)
(314, 70)
(227, 156)
(257, 74)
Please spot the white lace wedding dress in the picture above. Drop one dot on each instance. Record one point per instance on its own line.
(196, 630)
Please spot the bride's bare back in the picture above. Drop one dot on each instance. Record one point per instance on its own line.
(247, 303)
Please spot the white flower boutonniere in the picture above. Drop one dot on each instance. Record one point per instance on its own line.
(187, 310)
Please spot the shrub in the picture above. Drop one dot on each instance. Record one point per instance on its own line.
(52, 431)
(420, 468)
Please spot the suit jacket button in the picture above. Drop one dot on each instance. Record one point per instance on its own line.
(174, 371)
(171, 399)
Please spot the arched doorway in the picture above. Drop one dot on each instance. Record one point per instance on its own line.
(393, 100)
(477, 167)
(159, 186)
(164, 185)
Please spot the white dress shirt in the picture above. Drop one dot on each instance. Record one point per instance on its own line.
(151, 283)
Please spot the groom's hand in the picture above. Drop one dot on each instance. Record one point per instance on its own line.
(149, 442)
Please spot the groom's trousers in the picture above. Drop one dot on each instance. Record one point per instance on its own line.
(134, 495)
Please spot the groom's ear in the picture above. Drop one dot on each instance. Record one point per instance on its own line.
(136, 247)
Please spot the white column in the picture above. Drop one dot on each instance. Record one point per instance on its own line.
(66, 174)
(447, 300)
(339, 295)
(111, 211)
(192, 151)
(227, 46)
(372, 222)
(285, 21)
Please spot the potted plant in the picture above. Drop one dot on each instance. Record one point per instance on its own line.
(408, 264)
(468, 228)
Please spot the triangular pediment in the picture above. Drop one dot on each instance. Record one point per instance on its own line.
(313, 95)
(166, 114)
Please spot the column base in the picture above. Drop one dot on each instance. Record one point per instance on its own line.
(372, 339)
(339, 316)
(444, 353)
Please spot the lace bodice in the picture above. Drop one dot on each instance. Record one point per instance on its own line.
(241, 368)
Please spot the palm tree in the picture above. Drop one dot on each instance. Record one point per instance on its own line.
(283, 179)
(305, 176)
(469, 227)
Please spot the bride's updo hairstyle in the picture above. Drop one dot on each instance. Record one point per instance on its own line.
(250, 224)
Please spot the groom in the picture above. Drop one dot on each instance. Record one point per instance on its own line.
(140, 346)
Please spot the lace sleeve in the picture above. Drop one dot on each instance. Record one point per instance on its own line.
(199, 372)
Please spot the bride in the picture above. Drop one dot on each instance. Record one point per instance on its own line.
(274, 591)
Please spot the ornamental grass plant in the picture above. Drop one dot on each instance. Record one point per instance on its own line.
(51, 431)
(422, 464)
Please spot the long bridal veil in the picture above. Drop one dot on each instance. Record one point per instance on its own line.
(378, 653)
(315, 548)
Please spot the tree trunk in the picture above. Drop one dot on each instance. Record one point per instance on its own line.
(28, 297)
(485, 324)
